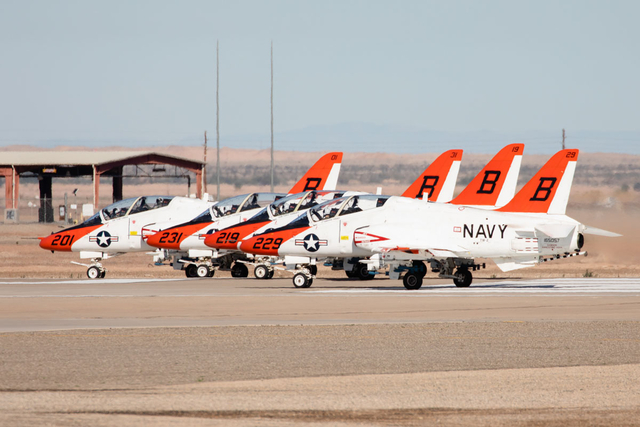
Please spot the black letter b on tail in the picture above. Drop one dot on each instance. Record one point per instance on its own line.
(544, 189)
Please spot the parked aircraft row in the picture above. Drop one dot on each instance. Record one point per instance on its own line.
(355, 231)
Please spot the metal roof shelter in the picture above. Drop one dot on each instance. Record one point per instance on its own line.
(58, 164)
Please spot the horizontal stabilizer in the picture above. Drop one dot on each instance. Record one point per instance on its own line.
(559, 231)
(510, 264)
(599, 232)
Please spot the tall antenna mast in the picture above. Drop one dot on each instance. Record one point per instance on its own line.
(204, 168)
(217, 122)
(563, 136)
(272, 116)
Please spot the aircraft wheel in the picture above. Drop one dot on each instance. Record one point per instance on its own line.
(191, 270)
(313, 269)
(103, 273)
(212, 272)
(93, 273)
(421, 267)
(202, 271)
(353, 274)
(301, 280)
(362, 272)
(261, 272)
(239, 270)
(271, 273)
(465, 280)
(412, 281)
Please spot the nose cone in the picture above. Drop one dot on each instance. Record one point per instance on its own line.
(228, 238)
(255, 245)
(269, 243)
(47, 242)
(171, 238)
(64, 240)
(153, 239)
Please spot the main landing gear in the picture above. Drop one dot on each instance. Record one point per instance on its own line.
(239, 270)
(412, 279)
(462, 277)
(360, 271)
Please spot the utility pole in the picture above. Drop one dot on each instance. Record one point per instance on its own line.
(272, 116)
(204, 168)
(217, 121)
(563, 136)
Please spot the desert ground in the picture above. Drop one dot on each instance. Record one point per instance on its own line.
(553, 345)
(603, 196)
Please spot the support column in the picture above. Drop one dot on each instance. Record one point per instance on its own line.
(45, 213)
(117, 185)
(199, 184)
(8, 187)
(16, 189)
(96, 187)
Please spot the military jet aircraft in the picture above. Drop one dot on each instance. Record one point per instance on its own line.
(118, 229)
(494, 184)
(437, 181)
(186, 241)
(389, 230)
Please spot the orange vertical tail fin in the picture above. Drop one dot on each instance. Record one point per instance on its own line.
(438, 181)
(548, 191)
(323, 175)
(496, 183)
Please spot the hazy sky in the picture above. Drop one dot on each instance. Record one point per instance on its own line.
(145, 70)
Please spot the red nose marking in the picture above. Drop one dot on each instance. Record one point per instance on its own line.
(230, 237)
(172, 237)
(269, 243)
(64, 240)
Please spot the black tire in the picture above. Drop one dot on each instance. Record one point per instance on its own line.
(202, 271)
(353, 274)
(103, 273)
(412, 281)
(191, 270)
(362, 272)
(212, 272)
(466, 279)
(422, 268)
(239, 270)
(261, 272)
(93, 273)
(301, 280)
(271, 273)
(313, 269)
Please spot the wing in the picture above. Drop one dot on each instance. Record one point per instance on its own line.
(405, 242)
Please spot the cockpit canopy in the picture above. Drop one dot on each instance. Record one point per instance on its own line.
(301, 201)
(243, 203)
(129, 207)
(346, 206)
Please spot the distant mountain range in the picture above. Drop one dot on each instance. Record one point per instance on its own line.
(368, 137)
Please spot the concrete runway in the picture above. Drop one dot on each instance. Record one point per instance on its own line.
(247, 352)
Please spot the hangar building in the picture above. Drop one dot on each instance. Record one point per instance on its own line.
(47, 165)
